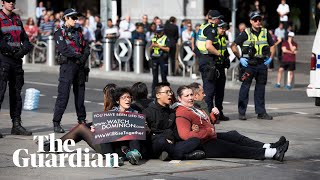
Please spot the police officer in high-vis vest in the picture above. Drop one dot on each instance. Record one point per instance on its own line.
(160, 48)
(14, 44)
(73, 54)
(221, 62)
(208, 54)
(257, 53)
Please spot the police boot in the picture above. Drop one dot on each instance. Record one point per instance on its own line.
(57, 127)
(17, 129)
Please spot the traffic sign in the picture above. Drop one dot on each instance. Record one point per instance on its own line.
(123, 50)
(186, 54)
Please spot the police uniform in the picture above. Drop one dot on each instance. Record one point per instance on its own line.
(159, 58)
(256, 48)
(73, 54)
(213, 84)
(14, 44)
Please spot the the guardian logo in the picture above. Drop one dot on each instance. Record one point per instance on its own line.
(62, 154)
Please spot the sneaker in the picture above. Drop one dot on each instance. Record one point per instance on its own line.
(288, 87)
(277, 85)
(134, 156)
(265, 116)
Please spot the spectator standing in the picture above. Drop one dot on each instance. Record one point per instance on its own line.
(146, 25)
(139, 35)
(283, 11)
(46, 28)
(277, 41)
(194, 37)
(91, 23)
(39, 10)
(280, 32)
(98, 42)
(111, 31)
(151, 33)
(172, 32)
(187, 34)
(289, 49)
(32, 30)
(126, 27)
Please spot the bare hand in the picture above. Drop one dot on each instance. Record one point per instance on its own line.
(195, 128)
(92, 129)
(215, 111)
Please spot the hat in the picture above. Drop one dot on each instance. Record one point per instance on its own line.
(212, 14)
(71, 12)
(291, 34)
(223, 24)
(254, 15)
(159, 28)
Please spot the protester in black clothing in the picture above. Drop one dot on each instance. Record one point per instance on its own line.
(163, 134)
(140, 96)
(171, 30)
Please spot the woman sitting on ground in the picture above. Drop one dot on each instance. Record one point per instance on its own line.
(194, 122)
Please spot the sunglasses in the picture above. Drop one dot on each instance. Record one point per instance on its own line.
(255, 20)
(74, 17)
(10, 1)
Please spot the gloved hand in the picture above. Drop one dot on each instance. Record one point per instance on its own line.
(19, 54)
(267, 61)
(244, 62)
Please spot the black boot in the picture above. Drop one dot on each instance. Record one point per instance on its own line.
(222, 117)
(195, 155)
(57, 127)
(1, 136)
(279, 143)
(82, 121)
(17, 129)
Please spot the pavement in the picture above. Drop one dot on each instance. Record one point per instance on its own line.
(302, 161)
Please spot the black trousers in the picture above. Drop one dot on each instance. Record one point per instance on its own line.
(70, 74)
(234, 145)
(163, 63)
(177, 150)
(11, 71)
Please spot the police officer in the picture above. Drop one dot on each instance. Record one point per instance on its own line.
(160, 48)
(208, 56)
(222, 62)
(257, 54)
(14, 44)
(73, 54)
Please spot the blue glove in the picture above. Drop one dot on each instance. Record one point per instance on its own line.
(244, 62)
(267, 61)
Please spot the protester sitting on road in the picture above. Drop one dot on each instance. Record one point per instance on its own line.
(194, 122)
(163, 136)
(140, 96)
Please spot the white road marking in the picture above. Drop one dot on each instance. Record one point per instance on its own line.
(301, 113)
(42, 95)
(102, 104)
(56, 85)
(225, 102)
(87, 101)
(54, 97)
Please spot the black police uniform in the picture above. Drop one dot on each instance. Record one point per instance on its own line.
(14, 44)
(205, 62)
(74, 53)
(256, 69)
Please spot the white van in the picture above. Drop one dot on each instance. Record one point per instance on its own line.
(313, 89)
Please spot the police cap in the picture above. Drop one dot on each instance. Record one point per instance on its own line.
(160, 28)
(71, 12)
(254, 15)
(213, 14)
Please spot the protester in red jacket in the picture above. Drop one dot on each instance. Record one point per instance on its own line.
(194, 122)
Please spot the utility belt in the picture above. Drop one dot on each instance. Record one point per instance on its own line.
(65, 60)
(255, 60)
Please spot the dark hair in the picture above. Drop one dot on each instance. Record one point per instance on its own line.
(139, 24)
(109, 19)
(108, 92)
(119, 92)
(181, 88)
(159, 86)
(139, 91)
(195, 86)
(172, 19)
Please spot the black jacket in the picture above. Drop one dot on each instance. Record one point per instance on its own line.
(161, 121)
(172, 31)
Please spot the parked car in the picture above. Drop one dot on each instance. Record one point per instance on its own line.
(313, 89)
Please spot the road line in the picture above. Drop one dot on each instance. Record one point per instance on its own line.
(87, 101)
(56, 85)
(301, 113)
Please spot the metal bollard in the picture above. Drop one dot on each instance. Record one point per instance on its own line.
(138, 56)
(51, 51)
(108, 54)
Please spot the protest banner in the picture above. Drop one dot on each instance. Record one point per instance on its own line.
(115, 126)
